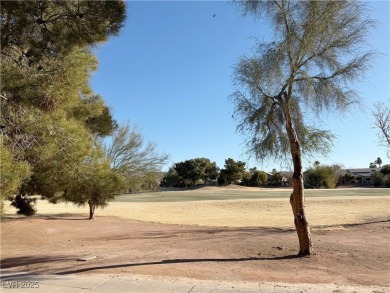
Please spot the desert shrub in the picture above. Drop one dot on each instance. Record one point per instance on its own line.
(24, 204)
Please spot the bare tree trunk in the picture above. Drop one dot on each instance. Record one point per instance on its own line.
(92, 208)
(297, 198)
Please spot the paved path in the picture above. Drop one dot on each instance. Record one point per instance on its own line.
(141, 284)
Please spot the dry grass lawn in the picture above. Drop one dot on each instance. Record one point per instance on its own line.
(330, 211)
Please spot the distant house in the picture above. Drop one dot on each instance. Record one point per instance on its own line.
(211, 182)
(283, 178)
(287, 178)
(363, 173)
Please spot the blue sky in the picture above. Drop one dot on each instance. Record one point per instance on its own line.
(170, 72)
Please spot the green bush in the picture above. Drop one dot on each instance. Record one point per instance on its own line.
(387, 180)
(385, 169)
(377, 179)
(320, 176)
(24, 204)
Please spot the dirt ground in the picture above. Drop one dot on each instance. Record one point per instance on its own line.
(355, 254)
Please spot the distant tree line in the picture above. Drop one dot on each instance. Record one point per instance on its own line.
(203, 171)
(381, 178)
(330, 177)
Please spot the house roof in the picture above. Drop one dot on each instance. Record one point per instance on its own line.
(283, 173)
(360, 171)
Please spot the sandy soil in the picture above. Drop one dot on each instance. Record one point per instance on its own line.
(225, 240)
(358, 254)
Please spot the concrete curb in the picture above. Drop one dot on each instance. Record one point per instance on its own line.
(31, 282)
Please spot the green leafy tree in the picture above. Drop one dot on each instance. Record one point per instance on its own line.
(233, 171)
(12, 174)
(33, 30)
(46, 102)
(190, 171)
(63, 146)
(320, 176)
(310, 62)
(171, 178)
(373, 165)
(276, 179)
(386, 172)
(259, 178)
(386, 180)
(102, 124)
(349, 178)
(71, 167)
(377, 179)
(95, 184)
(385, 169)
(247, 179)
(85, 173)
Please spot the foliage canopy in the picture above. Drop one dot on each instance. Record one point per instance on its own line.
(308, 66)
(49, 114)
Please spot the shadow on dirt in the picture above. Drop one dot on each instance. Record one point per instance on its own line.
(22, 261)
(179, 261)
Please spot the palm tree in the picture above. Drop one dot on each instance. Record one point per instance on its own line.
(379, 162)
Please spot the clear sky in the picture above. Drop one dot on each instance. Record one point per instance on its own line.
(170, 72)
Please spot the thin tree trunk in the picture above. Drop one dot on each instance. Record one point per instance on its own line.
(297, 198)
(92, 208)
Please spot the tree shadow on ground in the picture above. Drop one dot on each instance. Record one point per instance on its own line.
(21, 261)
(15, 262)
(179, 261)
(205, 233)
(66, 217)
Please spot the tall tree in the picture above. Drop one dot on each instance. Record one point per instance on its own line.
(31, 31)
(84, 171)
(259, 178)
(381, 115)
(196, 169)
(385, 170)
(46, 101)
(95, 183)
(233, 171)
(373, 165)
(12, 173)
(378, 161)
(130, 156)
(308, 66)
